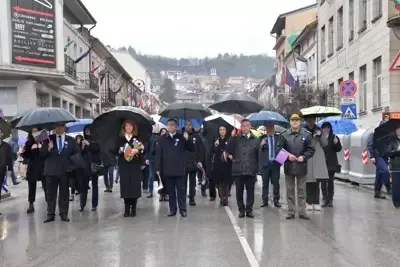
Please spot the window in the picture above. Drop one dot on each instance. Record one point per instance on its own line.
(339, 34)
(330, 37)
(351, 20)
(330, 94)
(351, 76)
(377, 83)
(339, 82)
(363, 16)
(363, 89)
(323, 44)
(377, 9)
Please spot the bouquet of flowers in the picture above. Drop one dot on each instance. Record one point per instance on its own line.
(128, 150)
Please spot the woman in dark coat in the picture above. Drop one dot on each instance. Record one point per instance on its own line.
(130, 170)
(221, 173)
(90, 153)
(75, 176)
(35, 167)
(162, 192)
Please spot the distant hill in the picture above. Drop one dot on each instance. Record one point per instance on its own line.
(226, 65)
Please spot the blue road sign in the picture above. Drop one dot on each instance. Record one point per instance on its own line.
(349, 111)
(348, 88)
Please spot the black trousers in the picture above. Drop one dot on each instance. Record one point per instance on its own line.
(313, 194)
(54, 184)
(177, 193)
(84, 188)
(191, 183)
(74, 181)
(145, 178)
(328, 187)
(212, 187)
(32, 185)
(270, 174)
(241, 182)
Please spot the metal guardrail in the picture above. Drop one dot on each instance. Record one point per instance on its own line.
(70, 67)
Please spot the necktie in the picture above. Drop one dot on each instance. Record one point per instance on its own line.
(60, 144)
(271, 147)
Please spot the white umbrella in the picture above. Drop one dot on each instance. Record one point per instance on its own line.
(227, 118)
(158, 126)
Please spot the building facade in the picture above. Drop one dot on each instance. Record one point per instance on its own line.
(355, 43)
(45, 72)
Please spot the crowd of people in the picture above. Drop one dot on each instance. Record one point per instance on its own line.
(180, 160)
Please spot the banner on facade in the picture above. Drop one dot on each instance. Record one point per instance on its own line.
(33, 32)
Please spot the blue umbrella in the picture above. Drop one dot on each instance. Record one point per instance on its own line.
(21, 141)
(340, 125)
(181, 122)
(268, 117)
(77, 126)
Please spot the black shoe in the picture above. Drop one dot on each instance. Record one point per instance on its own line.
(304, 217)
(110, 190)
(250, 215)
(71, 197)
(77, 193)
(161, 199)
(212, 198)
(31, 209)
(127, 210)
(65, 219)
(379, 196)
(171, 214)
(290, 217)
(150, 195)
(325, 204)
(81, 209)
(203, 194)
(264, 204)
(241, 214)
(277, 204)
(183, 213)
(330, 204)
(94, 208)
(133, 209)
(116, 181)
(107, 190)
(16, 183)
(192, 202)
(49, 219)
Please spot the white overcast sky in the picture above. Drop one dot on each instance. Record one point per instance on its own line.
(190, 28)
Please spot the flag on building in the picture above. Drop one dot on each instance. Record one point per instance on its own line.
(68, 45)
(397, 4)
(287, 77)
(98, 66)
(275, 91)
(79, 59)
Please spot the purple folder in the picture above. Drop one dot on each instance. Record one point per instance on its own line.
(282, 156)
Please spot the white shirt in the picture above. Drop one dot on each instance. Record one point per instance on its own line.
(172, 135)
(247, 135)
(58, 140)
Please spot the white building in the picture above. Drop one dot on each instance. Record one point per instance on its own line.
(41, 73)
(355, 43)
(135, 69)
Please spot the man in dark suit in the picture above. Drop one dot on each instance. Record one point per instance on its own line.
(58, 152)
(170, 161)
(268, 167)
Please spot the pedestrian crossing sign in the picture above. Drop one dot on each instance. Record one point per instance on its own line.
(349, 111)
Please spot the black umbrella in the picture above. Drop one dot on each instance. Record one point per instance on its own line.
(107, 126)
(185, 111)
(5, 128)
(44, 118)
(385, 132)
(239, 103)
(14, 121)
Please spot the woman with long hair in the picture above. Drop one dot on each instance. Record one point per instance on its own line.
(76, 175)
(221, 173)
(35, 167)
(162, 192)
(130, 161)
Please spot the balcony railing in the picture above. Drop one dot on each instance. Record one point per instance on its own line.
(108, 97)
(89, 81)
(70, 66)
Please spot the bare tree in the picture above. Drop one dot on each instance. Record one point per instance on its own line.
(306, 96)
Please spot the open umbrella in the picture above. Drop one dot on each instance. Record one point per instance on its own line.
(44, 118)
(320, 111)
(264, 117)
(237, 103)
(185, 111)
(213, 122)
(77, 126)
(107, 126)
(340, 125)
(158, 126)
(277, 129)
(14, 121)
(5, 128)
(385, 132)
(196, 123)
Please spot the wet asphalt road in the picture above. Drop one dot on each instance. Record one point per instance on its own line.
(359, 231)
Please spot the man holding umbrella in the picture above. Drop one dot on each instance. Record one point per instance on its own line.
(5, 154)
(58, 150)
